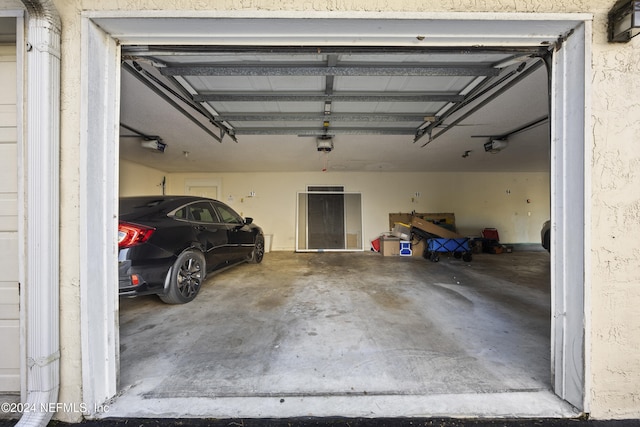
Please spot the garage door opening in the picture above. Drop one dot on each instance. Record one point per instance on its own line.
(103, 385)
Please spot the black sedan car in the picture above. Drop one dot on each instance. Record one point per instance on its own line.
(168, 244)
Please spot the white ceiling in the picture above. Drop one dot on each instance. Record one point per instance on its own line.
(220, 83)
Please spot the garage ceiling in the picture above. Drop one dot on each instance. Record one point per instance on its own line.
(258, 109)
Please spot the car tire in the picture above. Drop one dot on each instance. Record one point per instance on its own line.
(258, 251)
(546, 242)
(186, 277)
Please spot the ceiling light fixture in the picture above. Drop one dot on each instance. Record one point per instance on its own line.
(624, 21)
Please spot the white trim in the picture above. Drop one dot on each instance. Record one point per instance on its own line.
(363, 28)
(204, 182)
(22, 185)
(297, 237)
(21, 191)
(309, 15)
(569, 247)
(99, 121)
(586, 248)
(149, 27)
(15, 14)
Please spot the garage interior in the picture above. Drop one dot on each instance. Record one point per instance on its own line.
(335, 334)
(353, 333)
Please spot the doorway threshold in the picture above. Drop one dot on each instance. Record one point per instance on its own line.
(527, 404)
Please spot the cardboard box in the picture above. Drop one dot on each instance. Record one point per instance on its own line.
(389, 246)
(417, 248)
(352, 241)
(440, 218)
(399, 217)
(445, 219)
(436, 230)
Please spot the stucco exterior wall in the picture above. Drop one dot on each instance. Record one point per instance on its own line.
(613, 330)
(615, 227)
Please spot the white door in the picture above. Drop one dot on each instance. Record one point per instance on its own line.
(203, 191)
(9, 295)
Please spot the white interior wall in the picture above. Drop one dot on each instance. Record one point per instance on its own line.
(136, 179)
(478, 200)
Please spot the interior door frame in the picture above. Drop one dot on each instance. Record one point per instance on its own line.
(102, 34)
(310, 196)
(328, 189)
(203, 182)
(303, 232)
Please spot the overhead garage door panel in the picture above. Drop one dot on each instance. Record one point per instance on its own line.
(10, 360)
(9, 295)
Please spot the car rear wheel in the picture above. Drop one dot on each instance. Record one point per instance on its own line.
(258, 251)
(546, 241)
(186, 278)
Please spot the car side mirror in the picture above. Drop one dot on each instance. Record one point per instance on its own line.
(248, 221)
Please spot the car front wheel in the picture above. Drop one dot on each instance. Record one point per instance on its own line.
(186, 277)
(258, 251)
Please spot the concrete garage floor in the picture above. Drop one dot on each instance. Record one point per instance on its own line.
(346, 334)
